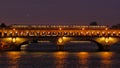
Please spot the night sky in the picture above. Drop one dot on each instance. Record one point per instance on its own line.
(105, 12)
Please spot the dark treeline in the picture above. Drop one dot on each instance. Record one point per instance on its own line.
(3, 25)
(117, 26)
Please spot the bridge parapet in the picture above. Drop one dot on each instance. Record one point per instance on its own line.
(60, 32)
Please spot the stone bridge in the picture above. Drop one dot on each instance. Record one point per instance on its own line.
(102, 36)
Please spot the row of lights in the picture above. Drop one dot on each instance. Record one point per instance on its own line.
(71, 32)
(55, 33)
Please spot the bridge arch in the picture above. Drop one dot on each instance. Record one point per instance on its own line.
(28, 41)
(97, 44)
(102, 44)
(116, 46)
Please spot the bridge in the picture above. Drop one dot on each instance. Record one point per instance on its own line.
(59, 35)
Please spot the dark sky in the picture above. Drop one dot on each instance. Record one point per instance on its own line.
(105, 12)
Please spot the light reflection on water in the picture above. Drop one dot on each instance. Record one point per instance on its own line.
(13, 57)
(58, 59)
(83, 59)
(106, 59)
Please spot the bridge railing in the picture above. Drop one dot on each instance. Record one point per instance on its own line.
(27, 33)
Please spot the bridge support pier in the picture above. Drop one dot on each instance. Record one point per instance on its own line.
(60, 47)
(104, 48)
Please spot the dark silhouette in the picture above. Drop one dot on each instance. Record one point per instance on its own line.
(93, 23)
(117, 26)
(3, 25)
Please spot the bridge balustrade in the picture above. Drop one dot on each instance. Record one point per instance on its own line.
(49, 34)
(5, 34)
(61, 32)
(43, 34)
(54, 34)
(10, 34)
(37, 33)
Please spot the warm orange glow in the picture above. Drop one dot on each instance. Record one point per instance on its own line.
(9, 39)
(14, 58)
(106, 55)
(64, 38)
(83, 28)
(60, 55)
(13, 55)
(60, 40)
(13, 28)
(83, 59)
(106, 28)
(14, 39)
(60, 28)
(106, 59)
(83, 55)
(106, 40)
(60, 59)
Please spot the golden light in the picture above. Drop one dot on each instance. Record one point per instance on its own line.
(83, 55)
(16, 32)
(106, 56)
(103, 38)
(106, 28)
(98, 32)
(60, 28)
(103, 32)
(9, 38)
(13, 55)
(64, 38)
(14, 58)
(60, 54)
(60, 40)
(87, 32)
(11, 32)
(13, 28)
(83, 28)
(83, 58)
(60, 59)
(106, 40)
(13, 39)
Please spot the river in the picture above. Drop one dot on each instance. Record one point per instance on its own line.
(61, 59)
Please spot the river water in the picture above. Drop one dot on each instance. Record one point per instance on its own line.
(60, 59)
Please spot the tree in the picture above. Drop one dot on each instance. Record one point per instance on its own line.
(117, 26)
(3, 25)
(93, 23)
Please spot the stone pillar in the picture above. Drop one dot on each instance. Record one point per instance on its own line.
(104, 48)
(60, 47)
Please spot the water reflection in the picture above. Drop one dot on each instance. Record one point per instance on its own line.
(60, 61)
(13, 59)
(83, 59)
(106, 61)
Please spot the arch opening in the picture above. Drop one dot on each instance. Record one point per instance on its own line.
(82, 46)
(115, 47)
(37, 46)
